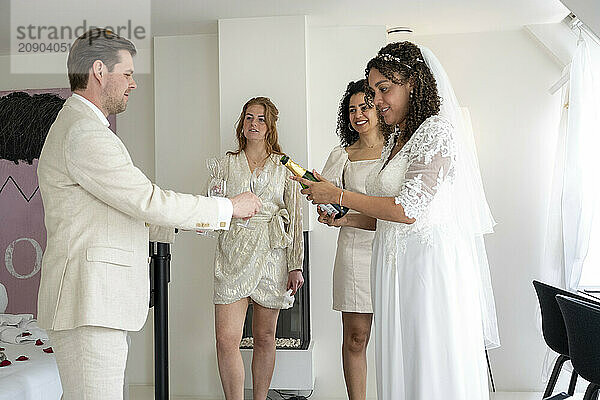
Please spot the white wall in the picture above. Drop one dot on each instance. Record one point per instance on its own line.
(266, 57)
(187, 133)
(503, 78)
(9, 81)
(336, 56)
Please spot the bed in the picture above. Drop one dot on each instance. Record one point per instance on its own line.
(34, 379)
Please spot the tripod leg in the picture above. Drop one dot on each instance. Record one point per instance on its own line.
(490, 371)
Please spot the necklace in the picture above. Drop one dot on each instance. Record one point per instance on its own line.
(372, 146)
(254, 162)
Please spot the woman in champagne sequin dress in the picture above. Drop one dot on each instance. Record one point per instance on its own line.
(260, 263)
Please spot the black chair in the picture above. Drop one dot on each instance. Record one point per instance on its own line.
(582, 320)
(555, 332)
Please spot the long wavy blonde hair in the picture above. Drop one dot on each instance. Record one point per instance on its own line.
(271, 116)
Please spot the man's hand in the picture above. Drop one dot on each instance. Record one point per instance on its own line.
(245, 205)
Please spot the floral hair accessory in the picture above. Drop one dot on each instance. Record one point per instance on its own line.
(391, 58)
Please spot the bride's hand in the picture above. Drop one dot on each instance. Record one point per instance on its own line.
(322, 192)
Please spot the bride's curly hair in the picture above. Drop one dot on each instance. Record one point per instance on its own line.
(403, 62)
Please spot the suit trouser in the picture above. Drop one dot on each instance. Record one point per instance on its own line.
(91, 361)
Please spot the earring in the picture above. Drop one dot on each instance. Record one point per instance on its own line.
(410, 94)
(350, 127)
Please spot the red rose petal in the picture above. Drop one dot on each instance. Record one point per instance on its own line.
(25, 334)
(22, 358)
(5, 363)
(48, 350)
(39, 342)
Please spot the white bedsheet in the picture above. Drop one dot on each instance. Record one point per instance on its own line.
(34, 379)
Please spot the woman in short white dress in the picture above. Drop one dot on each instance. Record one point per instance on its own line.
(349, 164)
(260, 264)
(433, 307)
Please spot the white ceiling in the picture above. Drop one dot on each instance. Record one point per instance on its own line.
(588, 11)
(423, 16)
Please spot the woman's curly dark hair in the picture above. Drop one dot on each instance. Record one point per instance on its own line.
(350, 136)
(406, 64)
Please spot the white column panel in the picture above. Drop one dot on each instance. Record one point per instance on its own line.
(186, 109)
(337, 55)
(266, 57)
(187, 132)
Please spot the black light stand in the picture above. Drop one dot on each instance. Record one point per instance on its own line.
(159, 296)
(490, 371)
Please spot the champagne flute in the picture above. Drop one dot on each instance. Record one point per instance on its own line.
(259, 181)
(217, 186)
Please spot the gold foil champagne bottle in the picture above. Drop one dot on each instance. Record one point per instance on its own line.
(297, 170)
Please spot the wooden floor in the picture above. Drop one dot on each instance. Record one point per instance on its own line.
(141, 392)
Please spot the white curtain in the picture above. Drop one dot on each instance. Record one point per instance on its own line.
(575, 192)
(574, 196)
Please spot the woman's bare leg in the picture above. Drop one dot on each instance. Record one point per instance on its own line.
(357, 330)
(264, 323)
(229, 325)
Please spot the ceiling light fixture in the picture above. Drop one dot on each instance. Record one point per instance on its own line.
(399, 29)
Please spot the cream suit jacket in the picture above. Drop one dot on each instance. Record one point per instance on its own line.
(98, 208)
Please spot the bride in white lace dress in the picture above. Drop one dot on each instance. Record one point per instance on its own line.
(433, 306)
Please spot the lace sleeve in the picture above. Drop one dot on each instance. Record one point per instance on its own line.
(431, 161)
(292, 200)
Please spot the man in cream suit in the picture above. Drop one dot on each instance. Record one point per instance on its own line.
(100, 213)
